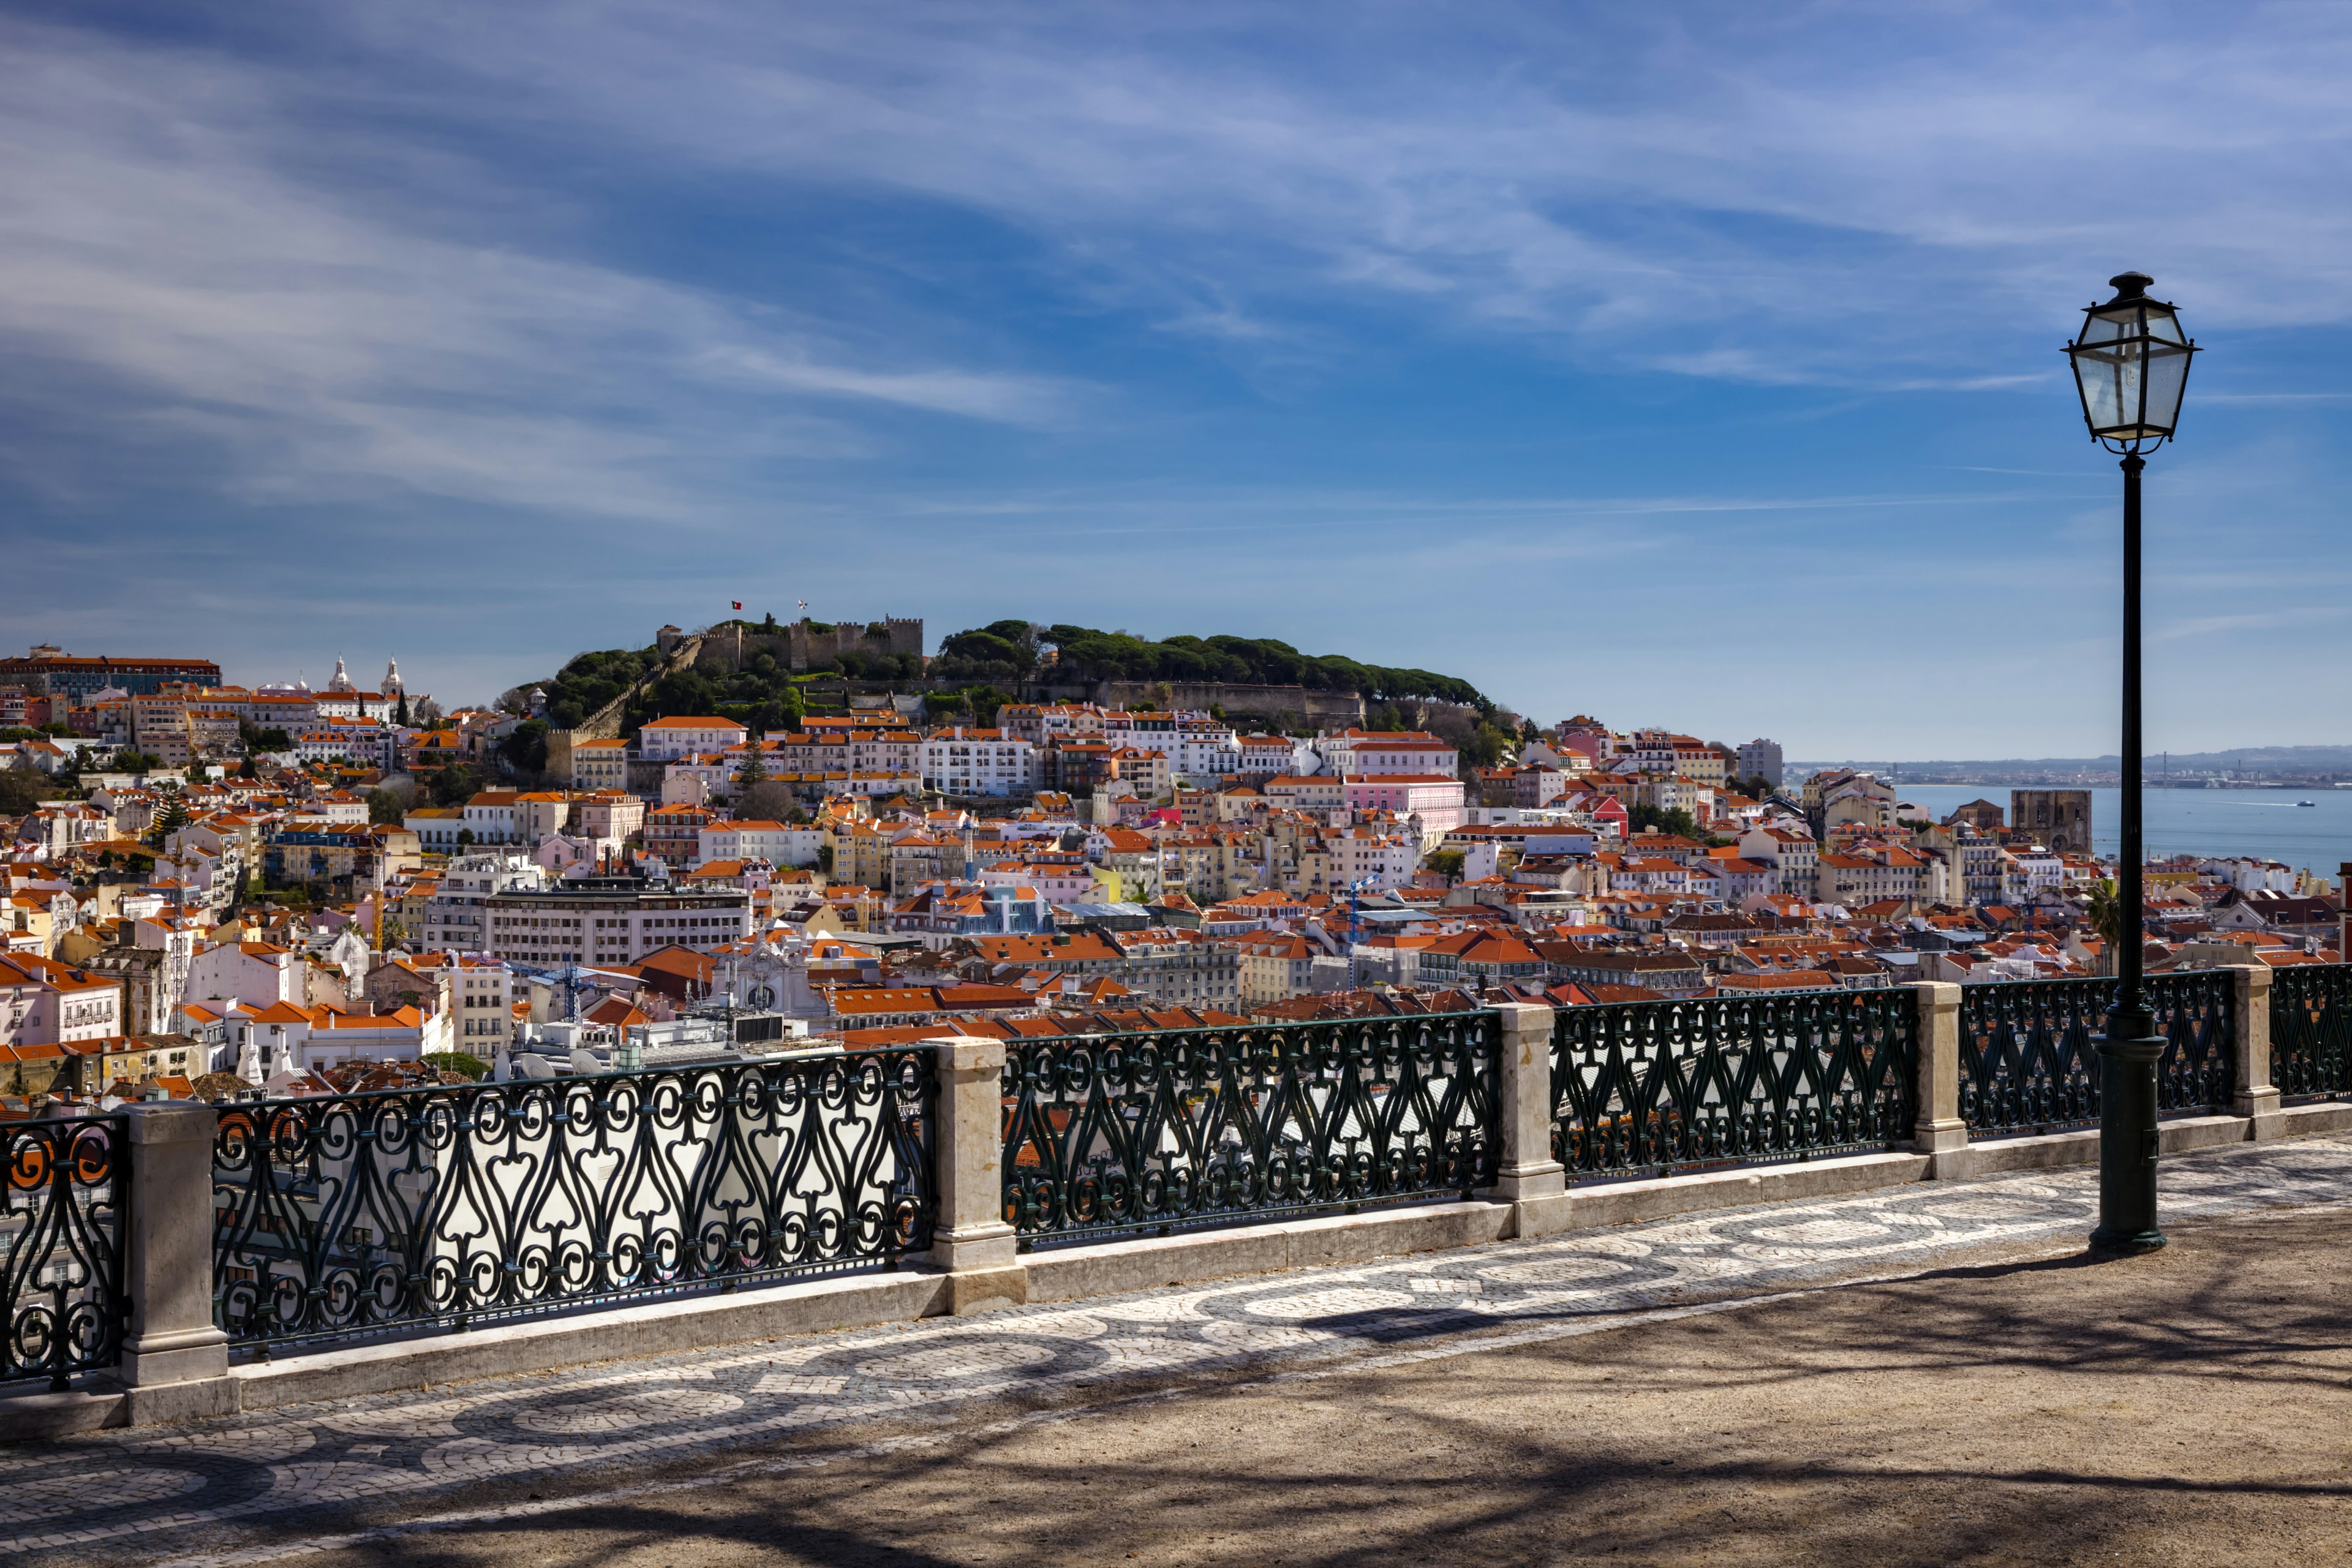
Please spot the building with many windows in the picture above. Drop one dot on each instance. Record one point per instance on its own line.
(600, 764)
(455, 918)
(964, 761)
(49, 672)
(663, 740)
(1761, 759)
(612, 920)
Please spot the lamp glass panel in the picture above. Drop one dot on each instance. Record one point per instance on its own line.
(2168, 377)
(2164, 326)
(2098, 329)
(2110, 381)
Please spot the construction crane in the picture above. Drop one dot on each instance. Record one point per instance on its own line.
(569, 977)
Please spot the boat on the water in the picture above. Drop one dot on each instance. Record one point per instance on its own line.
(2307, 802)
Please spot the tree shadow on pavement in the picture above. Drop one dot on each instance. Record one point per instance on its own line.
(2182, 1407)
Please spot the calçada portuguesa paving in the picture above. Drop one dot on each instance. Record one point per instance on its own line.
(304, 1478)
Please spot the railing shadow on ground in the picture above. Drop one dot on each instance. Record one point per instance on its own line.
(1838, 1428)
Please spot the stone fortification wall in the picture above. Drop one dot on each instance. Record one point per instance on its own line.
(812, 643)
(605, 724)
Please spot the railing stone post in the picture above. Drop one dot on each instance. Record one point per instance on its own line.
(1527, 1176)
(1939, 1132)
(972, 1242)
(2251, 1093)
(175, 1358)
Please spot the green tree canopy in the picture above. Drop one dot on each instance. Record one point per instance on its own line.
(453, 786)
(173, 817)
(465, 1065)
(19, 792)
(1010, 649)
(1670, 819)
(525, 748)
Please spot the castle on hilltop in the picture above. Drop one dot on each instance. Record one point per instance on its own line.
(819, 642)
(801, 644)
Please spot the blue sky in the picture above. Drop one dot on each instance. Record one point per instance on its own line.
(1693, 365)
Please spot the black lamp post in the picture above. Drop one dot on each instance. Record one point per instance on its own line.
(2131, 365)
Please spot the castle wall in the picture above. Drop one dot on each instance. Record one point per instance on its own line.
(891, 636)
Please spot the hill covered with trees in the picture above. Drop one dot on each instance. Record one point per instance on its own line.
(764, 695)
(1021, 651)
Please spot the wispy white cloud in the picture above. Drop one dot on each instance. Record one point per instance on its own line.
(1907, 177)
(158, 231)
(2250, 620)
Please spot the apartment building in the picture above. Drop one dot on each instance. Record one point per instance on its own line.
(612, 920)
(974, 761)
(666, 739)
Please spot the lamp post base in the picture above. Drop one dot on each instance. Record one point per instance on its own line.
(2127, 1138)
(2126, 1245)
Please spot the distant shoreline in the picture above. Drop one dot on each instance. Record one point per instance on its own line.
(1796, 772)
(2246, 767)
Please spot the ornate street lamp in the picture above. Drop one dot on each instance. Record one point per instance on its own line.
(2131, 366)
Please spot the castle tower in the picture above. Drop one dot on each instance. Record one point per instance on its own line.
(392, 683)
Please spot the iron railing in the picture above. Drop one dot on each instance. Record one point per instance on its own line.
(350, 1215)
(2311, 1031)
(1647, 1087)
(2028, 1063)
(1110, 1134)
(69, 1183)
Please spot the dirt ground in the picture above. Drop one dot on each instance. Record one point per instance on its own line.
(2193, 1407)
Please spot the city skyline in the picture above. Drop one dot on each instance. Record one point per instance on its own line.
(1577, 355)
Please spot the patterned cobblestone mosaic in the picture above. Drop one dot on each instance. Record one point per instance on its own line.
(180, 1492)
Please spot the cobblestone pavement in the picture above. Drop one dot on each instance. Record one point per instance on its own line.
(248, 1488)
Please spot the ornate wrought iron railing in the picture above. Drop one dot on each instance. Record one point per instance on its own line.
(350, 1215)
(1647, 1087)
(2311, 1031)
(2028, 1063)
(69, 1183)
(1110, 1134)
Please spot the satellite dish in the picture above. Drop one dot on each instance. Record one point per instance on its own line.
(585, 1062)
(534, 1066)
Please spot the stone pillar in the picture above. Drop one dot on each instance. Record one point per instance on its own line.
(174, 1361)
(2251, 1094)
(1939, 1133)
(1527, 1176)
(972, 1242)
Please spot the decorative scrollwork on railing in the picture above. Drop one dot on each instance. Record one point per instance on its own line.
(2028, 1062)
(2311, 1031)
(1116, 1133)
(1640, 1087)
(348, 1214)
(67, 1180)
(2197, 1013)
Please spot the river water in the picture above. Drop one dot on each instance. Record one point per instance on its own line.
(2265, 823)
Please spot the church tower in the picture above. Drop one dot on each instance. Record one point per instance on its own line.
(391, 686)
